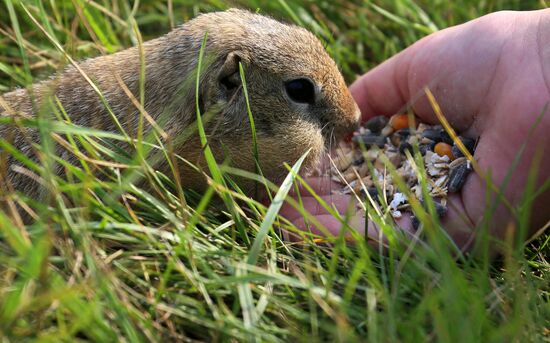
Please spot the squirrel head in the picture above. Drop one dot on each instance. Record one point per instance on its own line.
(297, 96)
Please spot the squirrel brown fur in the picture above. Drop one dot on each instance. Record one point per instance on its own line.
(273, 55)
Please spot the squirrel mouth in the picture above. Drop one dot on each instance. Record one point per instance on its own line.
(331, 136)
(333, 133)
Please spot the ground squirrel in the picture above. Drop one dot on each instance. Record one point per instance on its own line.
(298, 97)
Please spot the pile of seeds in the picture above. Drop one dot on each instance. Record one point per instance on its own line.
(445, 165)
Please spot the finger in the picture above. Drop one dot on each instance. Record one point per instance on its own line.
(458, 223)
(341, 203)
(332, 227)
(399, 83)
(383, 91)
(322, 185)
(448, 63)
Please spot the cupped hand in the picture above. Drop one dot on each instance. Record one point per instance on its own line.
(491, 78)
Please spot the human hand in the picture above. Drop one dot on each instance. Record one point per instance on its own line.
(491, 77)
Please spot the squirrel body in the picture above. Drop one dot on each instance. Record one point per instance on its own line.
(298, 98)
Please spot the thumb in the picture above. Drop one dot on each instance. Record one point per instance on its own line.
(457, 64)
(383, 90)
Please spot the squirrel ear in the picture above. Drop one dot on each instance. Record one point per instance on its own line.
(229, 76)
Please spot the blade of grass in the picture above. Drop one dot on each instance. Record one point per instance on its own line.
(273, 210)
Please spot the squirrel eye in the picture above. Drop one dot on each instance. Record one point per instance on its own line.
(301, 90)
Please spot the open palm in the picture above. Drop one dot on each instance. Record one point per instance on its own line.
(491, 77)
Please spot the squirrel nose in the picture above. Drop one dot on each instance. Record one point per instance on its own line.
(357, 113)
(352, 116)
(357, 117)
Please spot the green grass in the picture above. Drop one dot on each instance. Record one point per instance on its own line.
(111, 259)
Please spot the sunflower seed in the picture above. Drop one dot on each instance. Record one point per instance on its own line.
(433, 135)
(468, 143)
(415, 223)
(376, 124)
(370, 139)
(404, 146)
(426, 147)
(458, 175)
(343, 161)
(445, 138)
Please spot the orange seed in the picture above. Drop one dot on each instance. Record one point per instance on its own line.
(444, 149)
(401, 121)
